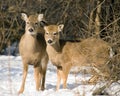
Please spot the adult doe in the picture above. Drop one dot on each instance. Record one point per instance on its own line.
(32, 48)
(65, 54)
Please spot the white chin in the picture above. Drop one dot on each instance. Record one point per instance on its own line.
(32, 33)
(51, 43)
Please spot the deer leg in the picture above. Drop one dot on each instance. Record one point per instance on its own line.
(37, 77)
(44, 63)
(25, 71)
(64, 75)
(106, 72)
(93, 79)
(58, 79)
(43, 80)
(100, 72)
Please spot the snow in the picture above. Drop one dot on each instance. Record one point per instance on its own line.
(11, 77)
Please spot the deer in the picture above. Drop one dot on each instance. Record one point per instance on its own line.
(64, 54)
(32, 48)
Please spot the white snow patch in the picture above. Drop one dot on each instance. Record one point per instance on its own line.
(11, 77)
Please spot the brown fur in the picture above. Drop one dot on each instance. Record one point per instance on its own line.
(32, 49)
(89, 52)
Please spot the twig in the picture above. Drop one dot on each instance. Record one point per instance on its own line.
(110, 24)
(9, 73)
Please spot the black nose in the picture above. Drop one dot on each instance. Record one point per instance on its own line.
(30, 30)
(50, 41)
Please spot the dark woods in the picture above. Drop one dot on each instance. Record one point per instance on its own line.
(82, 18)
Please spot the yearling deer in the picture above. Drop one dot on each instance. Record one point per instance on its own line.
(32, 49)
(65, 54)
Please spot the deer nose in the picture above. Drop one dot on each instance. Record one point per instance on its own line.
(30, 30)
(50, 41)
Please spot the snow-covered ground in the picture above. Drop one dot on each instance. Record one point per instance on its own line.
(11, 77)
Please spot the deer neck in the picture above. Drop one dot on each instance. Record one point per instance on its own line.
(56, 47)
(27, 35)
(30, 40)
(54, 52)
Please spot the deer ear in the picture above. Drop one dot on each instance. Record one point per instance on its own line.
(40, 17)
(43, 23)
(44, 28)
(24, 16)
(60, 27)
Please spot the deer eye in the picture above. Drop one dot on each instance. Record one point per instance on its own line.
(36, 24)
(47, 33)
(55, 33)
(27, 23)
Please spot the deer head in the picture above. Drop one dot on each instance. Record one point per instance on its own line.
(32, 23)
(52, 33)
